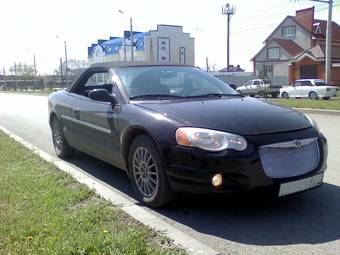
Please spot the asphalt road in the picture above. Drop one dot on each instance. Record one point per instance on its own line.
(308, 223)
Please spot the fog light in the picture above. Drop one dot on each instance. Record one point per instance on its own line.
(217, 180)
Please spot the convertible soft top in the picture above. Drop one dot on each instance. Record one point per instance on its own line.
(116, 64)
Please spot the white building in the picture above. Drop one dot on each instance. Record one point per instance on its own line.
(168, 44)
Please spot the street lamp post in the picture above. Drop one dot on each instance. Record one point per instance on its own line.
(66, 61)
(131, 37)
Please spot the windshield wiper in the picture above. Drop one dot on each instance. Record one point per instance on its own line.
(154, 96)
(215, 95)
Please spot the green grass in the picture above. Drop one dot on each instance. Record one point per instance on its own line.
(332, 104)
(45, 211)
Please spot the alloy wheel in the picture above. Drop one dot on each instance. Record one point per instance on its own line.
(145, 172)
(57, 137)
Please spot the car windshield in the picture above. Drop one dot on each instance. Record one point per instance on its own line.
(320, 83)
(171, 82)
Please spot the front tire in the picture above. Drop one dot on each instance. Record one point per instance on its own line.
(147, 174)
(326, 98)
(313, 95)
(61, 147)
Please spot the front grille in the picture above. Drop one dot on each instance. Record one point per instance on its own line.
(289, 159)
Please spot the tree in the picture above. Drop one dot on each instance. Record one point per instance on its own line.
(74, 66)
(263, 73)
(22, 69)
(23, 72)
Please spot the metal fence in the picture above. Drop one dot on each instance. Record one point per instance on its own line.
(241, 80)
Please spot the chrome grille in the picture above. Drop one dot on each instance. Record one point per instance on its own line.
(289, 159)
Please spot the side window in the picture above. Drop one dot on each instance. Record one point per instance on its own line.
(100, 80)
(306, 83)
(257, 83)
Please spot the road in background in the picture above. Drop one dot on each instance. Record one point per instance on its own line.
(307, 223)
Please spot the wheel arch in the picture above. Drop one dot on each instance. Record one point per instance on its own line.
(129, 137)
(51, 117)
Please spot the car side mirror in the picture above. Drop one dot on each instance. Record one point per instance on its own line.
(102, 95)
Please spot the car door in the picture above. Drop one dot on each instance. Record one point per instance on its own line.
(256, 87)
(304, 89)
(246, 88)
(96, 122)
(293, 90)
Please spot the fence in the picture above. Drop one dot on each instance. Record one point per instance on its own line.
(42, 82)
(241, 80)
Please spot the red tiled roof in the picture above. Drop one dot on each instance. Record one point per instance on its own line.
(290, 46)
(319, 52)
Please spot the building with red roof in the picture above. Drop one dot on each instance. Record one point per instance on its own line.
(296, 49)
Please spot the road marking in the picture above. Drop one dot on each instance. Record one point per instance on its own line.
(119, 199)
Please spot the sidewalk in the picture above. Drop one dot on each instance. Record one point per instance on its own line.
(318, 111)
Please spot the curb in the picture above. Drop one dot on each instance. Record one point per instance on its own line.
(318, 111)
(119, 199)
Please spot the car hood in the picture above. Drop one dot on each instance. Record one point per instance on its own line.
(243, 116)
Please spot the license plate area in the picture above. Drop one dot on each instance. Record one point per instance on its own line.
(300, 185)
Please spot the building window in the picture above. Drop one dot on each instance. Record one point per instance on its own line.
(289, 31)
(268, 71)
(181, 55)
(273, 53)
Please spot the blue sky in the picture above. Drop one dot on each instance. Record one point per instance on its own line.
(29, 27)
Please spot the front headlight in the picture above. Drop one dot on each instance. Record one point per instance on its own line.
(209, 140)
(313, 123)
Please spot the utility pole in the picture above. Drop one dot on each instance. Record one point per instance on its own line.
(66, 64)
(4, 77)
(15, 76)
(61, 70)
(207, 64)
(131, 39)
(328, 64)
(328, 71)
(228, 10)
(35, 70)
(35, 66)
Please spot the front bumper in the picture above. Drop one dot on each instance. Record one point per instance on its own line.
(192, 169)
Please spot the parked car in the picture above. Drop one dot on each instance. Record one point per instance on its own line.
(312, 88)
(259, 87)
(176, 128)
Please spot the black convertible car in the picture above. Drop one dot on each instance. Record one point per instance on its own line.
(176, 128)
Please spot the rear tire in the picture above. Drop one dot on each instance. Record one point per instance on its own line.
(285, 95)
(61, 147)
(261, 93)
(313, 95)
(147, 173)
(326, 98)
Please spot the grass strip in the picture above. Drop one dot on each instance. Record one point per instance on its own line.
(332, 104)
(45, 211)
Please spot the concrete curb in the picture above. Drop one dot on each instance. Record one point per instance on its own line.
(318, 111)
(119, 199)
